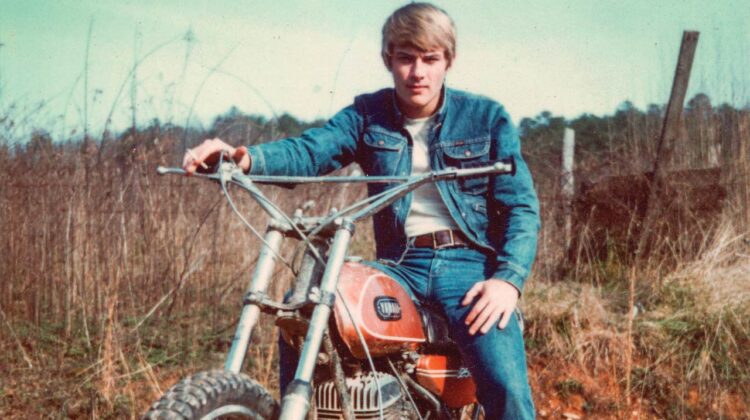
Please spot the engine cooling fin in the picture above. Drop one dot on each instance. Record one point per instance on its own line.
(363, 393)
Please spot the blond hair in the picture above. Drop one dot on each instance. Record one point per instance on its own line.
(422, 26)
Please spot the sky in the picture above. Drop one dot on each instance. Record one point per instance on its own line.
(195, 59)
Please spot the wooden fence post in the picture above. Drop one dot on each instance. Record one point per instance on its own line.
(670, 130)
(567, 184)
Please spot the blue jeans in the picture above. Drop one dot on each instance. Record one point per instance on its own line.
(497, 360)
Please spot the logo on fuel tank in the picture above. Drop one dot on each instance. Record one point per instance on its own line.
(387, 308)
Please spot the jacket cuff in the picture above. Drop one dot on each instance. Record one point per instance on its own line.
(512, 275)
(257, 161)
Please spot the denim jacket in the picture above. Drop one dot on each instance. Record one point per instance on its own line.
(499, 214)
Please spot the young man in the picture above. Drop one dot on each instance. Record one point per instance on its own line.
(464, 246)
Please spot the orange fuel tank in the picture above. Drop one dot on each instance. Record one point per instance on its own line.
(447, 378)
(381, 307)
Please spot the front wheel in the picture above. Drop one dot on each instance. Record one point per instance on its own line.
(213, 395)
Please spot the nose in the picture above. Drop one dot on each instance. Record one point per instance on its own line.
(418, 69)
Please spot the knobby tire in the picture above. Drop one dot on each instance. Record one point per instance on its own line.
(212, 395)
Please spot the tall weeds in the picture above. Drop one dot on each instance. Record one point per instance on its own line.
(668, 335)
(117, 281)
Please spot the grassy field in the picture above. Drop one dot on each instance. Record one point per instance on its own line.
(117, 282)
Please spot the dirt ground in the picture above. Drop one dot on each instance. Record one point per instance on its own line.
(61, 389)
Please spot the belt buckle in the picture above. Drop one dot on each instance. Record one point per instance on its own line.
(445, 245)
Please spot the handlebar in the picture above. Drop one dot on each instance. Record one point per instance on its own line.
(497, 168)
(228, 172)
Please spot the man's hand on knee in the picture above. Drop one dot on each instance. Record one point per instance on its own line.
(494, 303)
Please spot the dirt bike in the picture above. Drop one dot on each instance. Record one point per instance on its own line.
(366, 350)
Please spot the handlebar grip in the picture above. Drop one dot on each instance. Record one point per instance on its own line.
(161, 170)
(506, 165)
(481, 169)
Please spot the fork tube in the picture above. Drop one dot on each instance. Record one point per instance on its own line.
(251, 312)
(296, 402)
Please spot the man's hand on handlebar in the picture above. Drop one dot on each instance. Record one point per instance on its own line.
(205, 156)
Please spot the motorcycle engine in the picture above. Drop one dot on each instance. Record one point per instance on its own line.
(363, 394)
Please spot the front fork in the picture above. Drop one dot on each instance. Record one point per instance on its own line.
(251, 312)
(296, 401)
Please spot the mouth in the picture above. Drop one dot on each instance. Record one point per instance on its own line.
(417, 87)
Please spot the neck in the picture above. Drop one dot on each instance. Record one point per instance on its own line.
(423, 111)
(416, 112)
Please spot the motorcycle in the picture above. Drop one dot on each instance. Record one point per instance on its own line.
(366, 349)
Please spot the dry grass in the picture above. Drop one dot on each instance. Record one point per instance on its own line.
(117, 282)
(690, 340)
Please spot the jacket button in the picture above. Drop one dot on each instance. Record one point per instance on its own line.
(467, 153)
(381, 142)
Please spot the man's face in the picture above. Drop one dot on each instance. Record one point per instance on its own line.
(418, 78)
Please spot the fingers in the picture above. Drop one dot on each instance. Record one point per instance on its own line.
(193, 159)
(505, 319)
(189, 163)
(486, 316)
(495, 304)
(491, 320)
(207, 153)
(239, 153)
(242, 158)
(478, 314)
(472, 293)
(188, 160)
(193, 162)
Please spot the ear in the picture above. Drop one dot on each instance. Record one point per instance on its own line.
(386, 60)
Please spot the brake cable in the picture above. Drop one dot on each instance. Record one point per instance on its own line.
(367, 352)
(260, 197)
(249, 226)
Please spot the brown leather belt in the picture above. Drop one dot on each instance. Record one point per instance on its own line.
(440, 239)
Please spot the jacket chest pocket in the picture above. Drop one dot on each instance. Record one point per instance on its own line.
(469, 154)
(382, 153)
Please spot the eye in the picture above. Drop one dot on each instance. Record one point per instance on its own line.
(404, 58)
(432, 59)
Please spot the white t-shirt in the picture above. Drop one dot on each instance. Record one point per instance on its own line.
(428, 212)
